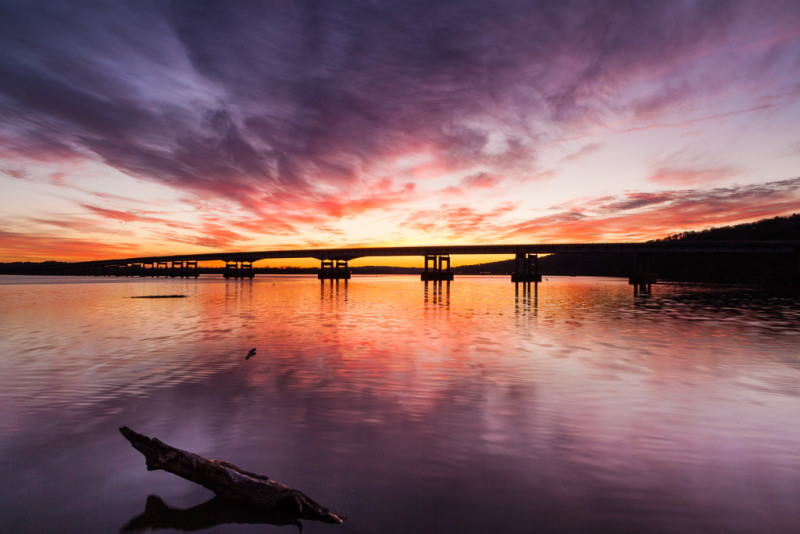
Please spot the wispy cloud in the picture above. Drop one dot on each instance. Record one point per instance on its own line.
(455, 221)
(125, 216)
(637, 215)
(689, 167)
(582, 152)
(691, 177)
(210, 235)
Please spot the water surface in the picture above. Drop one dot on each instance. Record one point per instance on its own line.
(474, 406)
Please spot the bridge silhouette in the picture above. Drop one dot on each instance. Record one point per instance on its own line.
(334, 261)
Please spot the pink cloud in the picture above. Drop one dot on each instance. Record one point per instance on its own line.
(457, 221)
(583, 151)
(118, 215)
(20, 174)
(481, 180)
(209, 235)
(691, 177)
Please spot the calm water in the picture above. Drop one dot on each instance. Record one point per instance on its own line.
(465, 409)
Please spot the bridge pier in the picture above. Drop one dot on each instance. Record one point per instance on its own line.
(184, 269)
(437, 267)
(145, 269)
(334, 270)
(526, 268)
(642, 279)
(113, 269)
(133, 269)
(238, 269)
(191, 269)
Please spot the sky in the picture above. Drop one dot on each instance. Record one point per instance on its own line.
(134, 128)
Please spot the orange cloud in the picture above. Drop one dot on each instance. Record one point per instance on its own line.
(209, 235)
(458, 221)
(20, 246)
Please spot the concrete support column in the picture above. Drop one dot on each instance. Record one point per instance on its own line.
(231, 269)
(526, 268)
(334, 270)
(146, 269)
(641, 279)
(437, 267)
(238, 269)
(190, 269)
(183, 269)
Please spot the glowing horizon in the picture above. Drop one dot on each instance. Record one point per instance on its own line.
(134, 129)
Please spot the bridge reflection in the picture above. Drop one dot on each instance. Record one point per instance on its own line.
(527, 300)
(332, 289)
(438, 294)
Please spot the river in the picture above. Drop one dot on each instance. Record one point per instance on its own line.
(469, 407)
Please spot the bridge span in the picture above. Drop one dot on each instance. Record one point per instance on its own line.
(334, 261)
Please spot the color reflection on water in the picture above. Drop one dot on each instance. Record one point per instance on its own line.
(469, 406)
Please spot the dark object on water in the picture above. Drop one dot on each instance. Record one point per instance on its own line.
(228, 481)
(217, 511)
(250, 354)
(159, 297)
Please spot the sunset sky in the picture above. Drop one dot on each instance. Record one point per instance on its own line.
(132, 128)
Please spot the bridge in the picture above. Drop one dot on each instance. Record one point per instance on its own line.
(334, 261)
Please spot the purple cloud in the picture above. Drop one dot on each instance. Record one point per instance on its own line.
(262, 102)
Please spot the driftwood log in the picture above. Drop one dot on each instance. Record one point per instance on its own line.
(228, 481)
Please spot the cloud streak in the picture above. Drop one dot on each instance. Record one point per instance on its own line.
(637, 216)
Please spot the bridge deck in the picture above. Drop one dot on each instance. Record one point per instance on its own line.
(721, 247)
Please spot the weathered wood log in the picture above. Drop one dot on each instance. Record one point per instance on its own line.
(228, 481)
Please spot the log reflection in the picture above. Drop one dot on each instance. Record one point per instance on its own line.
(158, 515)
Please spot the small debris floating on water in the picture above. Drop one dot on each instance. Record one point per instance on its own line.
(159, 297)
(250, 354)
